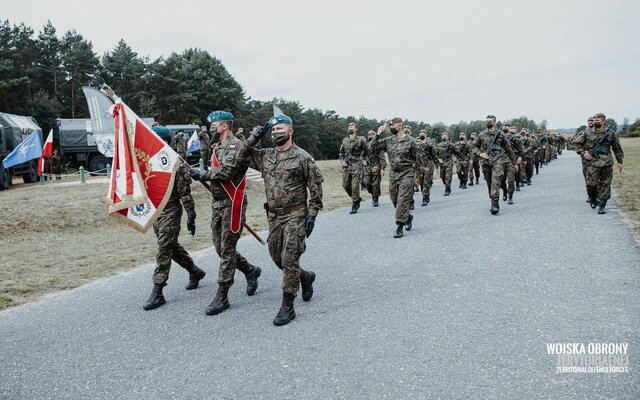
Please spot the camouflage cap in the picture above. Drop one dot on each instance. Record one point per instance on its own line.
(280, 119)
(220, 116)
(408, 127)
(600, 115)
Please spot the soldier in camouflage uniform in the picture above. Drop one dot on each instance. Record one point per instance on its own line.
(429, 158)
(579, 151)
(595, 146)
(462, 160)
(541, 141)
(227, 178)
(378, 164)
(495, 151)
(405, 162)
(167, 230)
(293, 188)
(181, 145)
(445, 151)
(474, 166)
(511, 168)
(353, 150)
(205, 146)
(528, 155)
(240, 134)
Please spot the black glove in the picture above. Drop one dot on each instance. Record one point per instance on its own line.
(195, 174)
(309, 224)
(191, 225)
(259, 131)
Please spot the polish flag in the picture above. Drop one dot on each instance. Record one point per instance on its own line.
(47, 151)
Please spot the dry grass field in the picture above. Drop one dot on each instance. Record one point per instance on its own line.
(57, 237)
(627, 184)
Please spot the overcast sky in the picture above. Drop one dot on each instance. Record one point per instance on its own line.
(423, 60)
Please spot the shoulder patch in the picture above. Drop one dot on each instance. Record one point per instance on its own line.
(232, 146)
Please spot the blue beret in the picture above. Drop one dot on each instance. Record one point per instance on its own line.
(280, 119)
(220, 116)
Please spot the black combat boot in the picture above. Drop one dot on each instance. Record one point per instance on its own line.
(517, 186)
(220, 302)
(464, 184)
(252, 279)
(504, 194)
(157, 298)
(447, 191)
(306, 282)
(195, 276)
(412, 204)
(286, 313)
(593, 202)
(399, 232)
(353, 208)
(510, 198)
(476, 181)
(471, 182)
(588, 199)
(409, 224)
(375, 202)
(495, 207)
(528, 182)
(424, 200)
(358, 205)
(602, 203)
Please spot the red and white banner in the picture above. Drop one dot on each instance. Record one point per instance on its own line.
(143, 171)
(235, 193)
(47, 151)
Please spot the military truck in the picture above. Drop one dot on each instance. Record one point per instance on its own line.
(13, 130)
(77, 145)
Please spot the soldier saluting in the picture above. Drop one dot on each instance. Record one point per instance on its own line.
(404, 161)
(496, 152)
(293, 188)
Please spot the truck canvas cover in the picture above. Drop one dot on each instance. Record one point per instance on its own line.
(19, 127)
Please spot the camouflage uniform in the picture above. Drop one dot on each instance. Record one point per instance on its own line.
(167, 228)
(429, 159)
(205, 148)
(404, 160)
(287, 177)
(223, 239)
(509, 180)
(501, 154)
(352, 151)
(181, 146)
(474, 168)
(445, 152)
(377, 164)
(600, 169)
(528, 155)
(462, 162)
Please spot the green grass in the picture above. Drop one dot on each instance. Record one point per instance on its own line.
(627, 183)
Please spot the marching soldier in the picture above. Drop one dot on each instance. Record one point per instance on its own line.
(595, 146)
(228, 208)
(378, 164)
(474, 166)
(167, 230)
(429, 158)
(511, 168)
(445, 151)
(528, 155)
(495, 151)
(352, 151)
(462, 160)
(582, 159)
(404, 160)
(293, 187)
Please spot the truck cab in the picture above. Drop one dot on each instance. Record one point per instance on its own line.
(13, 130)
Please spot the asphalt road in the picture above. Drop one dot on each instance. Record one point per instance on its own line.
(462, 307)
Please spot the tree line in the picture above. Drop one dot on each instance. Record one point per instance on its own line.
(41, 75)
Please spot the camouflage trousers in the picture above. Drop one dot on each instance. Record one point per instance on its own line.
(509, 178)
(446, 172)
(493, 175)
(286, 245)
(401, 194)
(426, 180)
(374, 182)
(205, 155)
(225, 241)
(475, 168)
(599, 181)
(351, 178)
(462, 168)
(528, 168)
(167, 231)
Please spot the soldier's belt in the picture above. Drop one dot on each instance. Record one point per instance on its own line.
(286, 209)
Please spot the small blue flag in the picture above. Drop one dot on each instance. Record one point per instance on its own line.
(29, 149)
(193, 144)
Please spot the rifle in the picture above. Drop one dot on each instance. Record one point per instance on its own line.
(349, 157)
(490, 149)
(598, 148)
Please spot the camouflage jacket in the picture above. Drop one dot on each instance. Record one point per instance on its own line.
(427, 152)
(446, 151)
(287, 176)
(501, 151)
(404, 154)
(181, 145)
(516, 143)
(463, 150)
(587, 139)
(229, 169)
(180, 197)
(205, 143)
(529, 148)
(378, 159)
(353, 145)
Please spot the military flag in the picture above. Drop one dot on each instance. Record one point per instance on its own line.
(193, 144)
(47, 151)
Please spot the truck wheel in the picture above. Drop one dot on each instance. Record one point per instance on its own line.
(98, 163)
(32, 175)
(5, 178)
